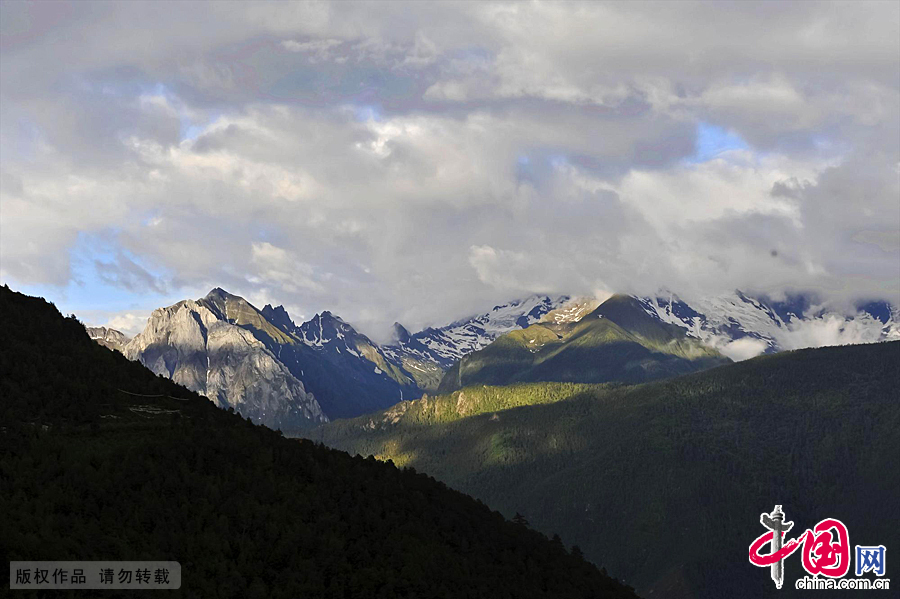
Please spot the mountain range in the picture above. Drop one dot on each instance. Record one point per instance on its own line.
(101, 458)
(742, 326)
(446, 345)
(291, 376)
(587, 422)
(616, 342)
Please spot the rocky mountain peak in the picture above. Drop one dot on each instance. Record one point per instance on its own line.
(279, 317)
(323, 328)
(571, 311)
(401, 335)
(107, 337)
(193, 343)
(221, 302)
(218, 292)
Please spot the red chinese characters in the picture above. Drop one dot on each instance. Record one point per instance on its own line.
(823, 553)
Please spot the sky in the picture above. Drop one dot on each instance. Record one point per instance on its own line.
(419, 162)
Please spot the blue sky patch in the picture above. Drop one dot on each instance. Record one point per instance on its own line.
(713, 140)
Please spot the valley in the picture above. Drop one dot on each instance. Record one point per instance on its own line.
(674, 473)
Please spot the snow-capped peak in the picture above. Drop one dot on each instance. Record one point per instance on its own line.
(571, 311)
(324, 328)
(741, 326)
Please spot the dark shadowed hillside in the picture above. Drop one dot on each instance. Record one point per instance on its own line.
(664, 483)
(101, 459)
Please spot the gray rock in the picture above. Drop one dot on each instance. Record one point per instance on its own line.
(195, 347)
(107, 337)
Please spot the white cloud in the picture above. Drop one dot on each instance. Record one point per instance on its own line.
(831, 330)
(498, 268)
(129, 323)
(278, 267)
(316, 50)
(743, 349)
(418, 161)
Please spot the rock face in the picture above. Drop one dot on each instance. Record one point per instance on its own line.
(284, 374)
(267, 367)
(281, 373)
(107, 337)
(348, 372)
(446, 345)
(196, 347)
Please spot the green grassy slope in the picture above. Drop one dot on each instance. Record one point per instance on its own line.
(616, 342)
(427, 375)
(101, 459)
(664, 482)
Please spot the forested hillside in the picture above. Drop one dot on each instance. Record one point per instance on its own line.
(664, 483)
(617, 342)
(101, 459)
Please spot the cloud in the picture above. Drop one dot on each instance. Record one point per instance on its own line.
(503, 268)
(417, 162)
(128, 323)
(124, 272)
(280, 268)
(316, 50)
(831, 330)
(742, 349)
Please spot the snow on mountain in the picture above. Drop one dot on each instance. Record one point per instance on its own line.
(324, 328)
(107, 337)
(263, 363)
(741, 326)
(445, 345)
(571, 311)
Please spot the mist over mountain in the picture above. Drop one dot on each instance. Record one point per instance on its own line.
(291, 375)
(742, 326)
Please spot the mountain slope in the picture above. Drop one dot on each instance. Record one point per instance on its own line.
(99, 457)
(261, 363)
(741, 326)
(349, 373)
(618, 341)
(446, 345)
(193, 344)
(107, 337)
(674, 473)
